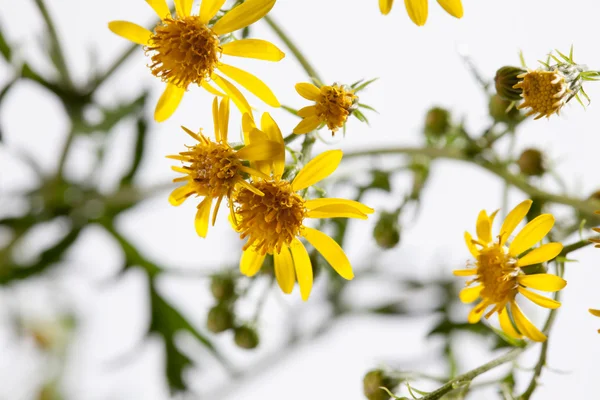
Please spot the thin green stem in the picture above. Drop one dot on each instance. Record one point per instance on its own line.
(64, 153)
(113, 67)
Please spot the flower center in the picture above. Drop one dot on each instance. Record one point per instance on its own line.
(334, 104)
(497, 271)
(214, 168)
(544, 92)
(183, 51)
(272, 220)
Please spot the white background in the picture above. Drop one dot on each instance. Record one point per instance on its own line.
(346, 40)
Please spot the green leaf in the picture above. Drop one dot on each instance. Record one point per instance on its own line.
(360, 116)
(364, 85)
(380, 180)
(367, 107)
(5, 49)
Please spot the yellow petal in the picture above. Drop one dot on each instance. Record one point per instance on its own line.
(594, 312)
(514, 217)
(250, 83)
(308, 90)
(209, 8)
(417, 11)
(470, 294)
(238, 98)
(256, 136)
(243, 15)
(224, 118)
(385, 6)
(160, 8)
(203, 217)
(183, 7)
(168, 102)
(247, 125)
(525, 325)
(335, 211)
(330, 250)
(540, 300)
(531, 234)
(179, 195)
(541, 254)
(507, 325)
(253, 48)
(215, 112)
(251, 262)
(307, 125)
(465, 272)
(452, 7)
(307, 111)
(316, 203)
(317, 169)
(470, 245)
(303, 266)
(269, 126)
(284, 270)
(484, 228)
(130, 31)
(543, 282)
(264, 150)
(210, 89)
(476, 313)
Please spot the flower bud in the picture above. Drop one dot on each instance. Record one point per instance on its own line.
(246, 337)
(498, 107)
(372, 383)
(222, 287)
(220, 319)
(387, 230)
(437, 122)
(531, 163)
(506, 79)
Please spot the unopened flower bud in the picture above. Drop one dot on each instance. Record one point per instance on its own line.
(498, 110)
(372, 383)
(506, 79)
(222, 287)
(246, 337)
(531, 163)
(220, 319)
(387, 230)
(437, 122)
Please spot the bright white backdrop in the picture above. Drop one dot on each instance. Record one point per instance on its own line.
(346, 40)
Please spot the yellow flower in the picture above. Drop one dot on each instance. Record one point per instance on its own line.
(545, 92)
(418, 9)
(187, 49)
(333, 105)
(273, 223)
(595, 313)
(213, 169)
(498, 271)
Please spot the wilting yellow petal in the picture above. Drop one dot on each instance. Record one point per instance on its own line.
(209, 8)
(543, 253)
(465, 272)
(224, 118)
(330, 250)
(543, 282)
(250, 83)
(417, 11)
(317, 169)
(525, 325)
(385, 6)
(531, 234)
(307, 125)
(335, 211)
(470, 294)
(160, 8)
(269, 126)
(470, 245)
(452, 7)
(168, 102)
(308, 90)
(251, 262)
(476, 313)
(179, 195)
(243, 15)
(303, 267)
(130, 31)
(253, 48)
(263, 150)
(514, 217)
(238, 98)
(540, 300)
(284, 270)
(484, 228)
(506, 324)
(203, 216)
(332, 201)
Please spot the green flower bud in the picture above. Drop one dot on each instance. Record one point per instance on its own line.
(531, 163)
(220, 319)
(498, 107)
(437, 122)
(506, 79)
(373, 381)
(222, 287)
(246, 337)
(387, 230)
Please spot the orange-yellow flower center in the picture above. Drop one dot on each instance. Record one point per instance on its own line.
(545, 92)
(272, 220)
(214, 168)
(497, 272)
(334, 104)
(183, 51)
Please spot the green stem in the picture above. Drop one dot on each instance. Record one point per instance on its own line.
(310, 70)
(114, 66)
(65, 152)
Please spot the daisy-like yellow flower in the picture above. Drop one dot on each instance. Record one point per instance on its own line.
(186, 49)
(213, 169)
(595, 313)
(274, 223)
(333, 105)
(418, 9)
(498, 277)
(544, 92)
